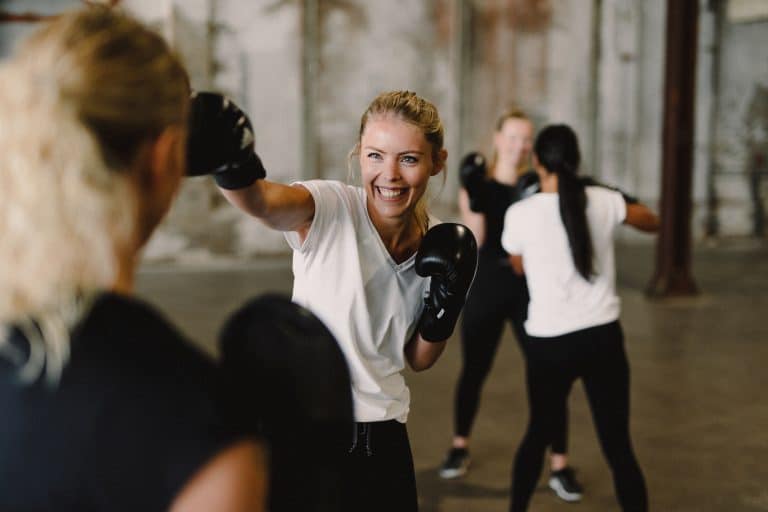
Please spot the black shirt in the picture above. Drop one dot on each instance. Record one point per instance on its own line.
(497, 197)
(132, 418)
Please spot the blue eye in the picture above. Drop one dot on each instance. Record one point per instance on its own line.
(374, 156)
(409, 159)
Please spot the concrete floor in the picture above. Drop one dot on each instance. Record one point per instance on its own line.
(699, 411)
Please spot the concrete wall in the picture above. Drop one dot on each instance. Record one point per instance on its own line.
(740, 135)
(306, 69)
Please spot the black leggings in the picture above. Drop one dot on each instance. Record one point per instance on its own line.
(378, 472)
(497, 296)
(596, 355)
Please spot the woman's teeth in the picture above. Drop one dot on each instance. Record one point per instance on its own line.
(388, 193)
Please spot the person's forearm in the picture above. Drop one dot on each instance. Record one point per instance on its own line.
(281, 207)
(650, 223)
(422, 354)
(641, 217)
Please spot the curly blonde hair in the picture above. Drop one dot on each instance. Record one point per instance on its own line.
(77, 102)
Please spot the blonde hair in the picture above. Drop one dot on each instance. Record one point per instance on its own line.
(413, 109)
(512, 113)
(77, 103)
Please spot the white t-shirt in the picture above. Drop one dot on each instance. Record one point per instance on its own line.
(344, 274)
(562, 301)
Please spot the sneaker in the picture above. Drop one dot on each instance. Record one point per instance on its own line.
(456, 463)
(564, 483)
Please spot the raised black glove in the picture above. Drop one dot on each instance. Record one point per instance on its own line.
(448, 254)
(221, 142)
(589, 181)
(472, 174)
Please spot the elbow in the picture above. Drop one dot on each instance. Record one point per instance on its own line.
(421, 354)
(420, 366)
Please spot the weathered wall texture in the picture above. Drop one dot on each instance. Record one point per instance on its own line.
(741, 128)
(305, 70)
(368, 48)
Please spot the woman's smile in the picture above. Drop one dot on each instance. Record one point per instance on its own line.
(391, 193)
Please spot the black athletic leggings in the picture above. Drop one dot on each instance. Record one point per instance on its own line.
(596, 355)
(378, 473)
(497, 295)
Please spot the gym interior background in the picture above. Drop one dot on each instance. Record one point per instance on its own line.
(305, 70)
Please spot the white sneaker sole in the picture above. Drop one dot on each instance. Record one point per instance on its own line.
(450, 474)
(564, 495)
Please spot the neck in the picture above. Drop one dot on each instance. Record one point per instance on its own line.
(126, 267)
(506, 171)
(548, 181)
(401, 237)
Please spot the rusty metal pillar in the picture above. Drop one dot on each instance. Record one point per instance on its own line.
(673, 251)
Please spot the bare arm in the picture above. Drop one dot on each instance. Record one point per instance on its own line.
(422, 354)
(281, 207)
(473, 220)
(641, 217)
(516, 260)
(235, 480)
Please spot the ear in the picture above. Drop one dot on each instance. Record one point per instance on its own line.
(442, 157)
(167, 157)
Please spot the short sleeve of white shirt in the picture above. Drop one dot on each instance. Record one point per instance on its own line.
(328, 197)
(618, 205)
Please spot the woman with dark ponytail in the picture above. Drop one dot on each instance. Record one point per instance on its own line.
(562, 239)
(498, 296)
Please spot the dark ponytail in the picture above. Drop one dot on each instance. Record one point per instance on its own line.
(557, 149)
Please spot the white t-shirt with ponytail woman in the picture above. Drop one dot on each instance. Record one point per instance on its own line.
(562, 300)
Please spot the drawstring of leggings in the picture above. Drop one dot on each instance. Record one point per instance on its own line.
(362, 432)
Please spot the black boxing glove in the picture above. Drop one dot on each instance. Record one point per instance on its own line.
(448, 254)
(589, 181)
(220, 142)
(472, 174)
(527, 184)
(284, 377)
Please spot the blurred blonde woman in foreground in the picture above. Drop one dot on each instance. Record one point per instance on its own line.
(105, 405)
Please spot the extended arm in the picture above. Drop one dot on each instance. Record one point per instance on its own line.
(281, 207)
(641, 217)
(221, 144)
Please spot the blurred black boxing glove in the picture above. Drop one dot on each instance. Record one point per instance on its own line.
(284, 377)
(220, 142)
(448, 254)
(527, 184)
(472, 174)
(589, 181)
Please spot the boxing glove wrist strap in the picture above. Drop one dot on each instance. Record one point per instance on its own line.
(241, 174)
